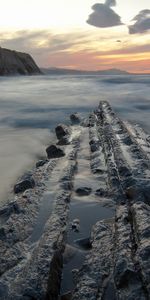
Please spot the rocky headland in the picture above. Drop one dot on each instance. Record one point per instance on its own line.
(96, 176)
(17, 63)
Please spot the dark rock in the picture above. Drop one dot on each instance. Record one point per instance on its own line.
(123, 273)
(27, 183)
(41, 163)
(75, 119)
(110, 291)
(67, 296)
(131, 192)
(14, 62)
(84, 243)
(101, 193)
(94, 145)
(2, 233)
(75, 225)
(64, 141)
(84, 191)
(54, 152)
(62, 131)
(3, 291)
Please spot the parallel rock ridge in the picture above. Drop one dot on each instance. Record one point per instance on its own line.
(14, 62)
(35, 226)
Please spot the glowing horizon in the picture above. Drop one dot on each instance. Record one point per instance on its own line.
(56, 34)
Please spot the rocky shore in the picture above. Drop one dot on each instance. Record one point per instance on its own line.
(17, 63)
(51, 250)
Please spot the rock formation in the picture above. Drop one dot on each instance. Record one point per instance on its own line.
(36, 226)
(14, 62)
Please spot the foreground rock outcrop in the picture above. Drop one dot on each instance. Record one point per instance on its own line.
(14, 62)
(106, 164)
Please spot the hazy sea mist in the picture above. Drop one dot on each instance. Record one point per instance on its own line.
(31, 106)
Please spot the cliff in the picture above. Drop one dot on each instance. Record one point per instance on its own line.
(14, 62)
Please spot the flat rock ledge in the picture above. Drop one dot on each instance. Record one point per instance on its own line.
(35, 224)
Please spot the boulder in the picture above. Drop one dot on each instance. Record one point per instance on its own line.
(25, 184)
(54, 152)
(75, 119)
(62, 131)
(84, 191)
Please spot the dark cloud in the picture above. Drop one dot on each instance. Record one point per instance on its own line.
(110, 3)
(103, 16)
(142, 23)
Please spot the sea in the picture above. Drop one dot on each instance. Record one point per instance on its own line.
(31, 107)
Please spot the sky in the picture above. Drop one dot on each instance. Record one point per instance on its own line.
(87, 34)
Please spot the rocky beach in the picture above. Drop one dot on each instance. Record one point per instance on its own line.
(78, 226)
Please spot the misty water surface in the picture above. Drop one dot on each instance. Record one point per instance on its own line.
(31, 106)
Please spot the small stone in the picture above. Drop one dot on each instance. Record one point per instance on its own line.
(84, 243)
(101, 193)
(23, 185)
(62, 131)
(75, 119)
(130, 192)
(41, 163)
(84, 191)
(54, 152)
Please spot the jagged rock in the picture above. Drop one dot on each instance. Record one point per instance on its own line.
(75, 225)
(54, 152)
(75, 118)
(101, 193)
(41, 163)
(62, 131)
(14, 62)
(83, 191)
(24, 185)
(84, 243)
(94, 145)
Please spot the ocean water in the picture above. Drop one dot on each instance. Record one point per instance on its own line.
(31, 106)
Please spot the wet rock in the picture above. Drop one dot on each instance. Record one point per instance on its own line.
(123, 273)
(64, 141)
(131, 192)
(41, 163)
(94, 145)
(83, 191)
(75, 119)
(84, 243)
(54, 152)
(67, 296)
(101, 193)
(24, 185)
(62, 131)
(75, 225)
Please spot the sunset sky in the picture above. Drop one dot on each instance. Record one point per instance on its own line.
(79, 34)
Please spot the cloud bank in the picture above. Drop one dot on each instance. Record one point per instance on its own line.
(104, 16)
(142, 24)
